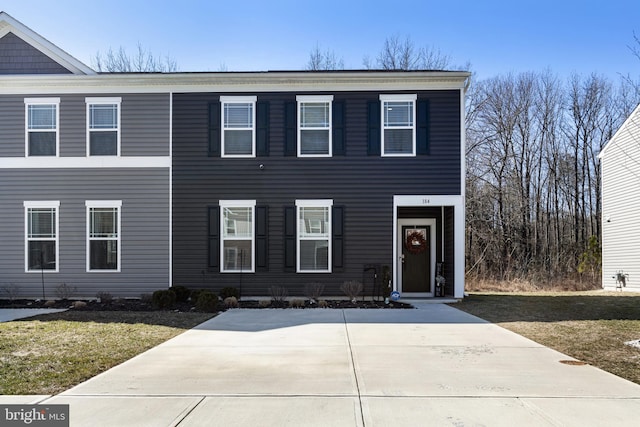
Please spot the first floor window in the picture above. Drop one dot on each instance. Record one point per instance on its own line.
(103, 235)
(41, 225)
(237, 223)
(103, 126)
(42, 126)
(314, 235)
(398, 125)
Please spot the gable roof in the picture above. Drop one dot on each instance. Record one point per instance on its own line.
(633, 121)
(9, 25)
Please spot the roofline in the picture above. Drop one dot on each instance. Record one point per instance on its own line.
(623, 127)
(43, 45)
(264, 81)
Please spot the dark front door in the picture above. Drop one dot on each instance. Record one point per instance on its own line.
(416, 259)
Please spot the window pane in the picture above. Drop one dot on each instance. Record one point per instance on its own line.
(398, 113)
(42, 143)
(103, 255)
(42, 116)
(237, 255)
(237, 222)
(398, 141)
(42, 255)
(103, 116)
(314, 255)
(41, 223)
(314, 114)
(314, 222)
(238, 115)
(314, 142)
(103, 222)
(238, 142)
(103, 143)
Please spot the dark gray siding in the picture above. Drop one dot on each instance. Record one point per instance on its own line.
(364, 185)
(144, 238)
(19, 57)
(144, 127)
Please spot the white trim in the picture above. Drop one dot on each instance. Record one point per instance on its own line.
(315, 203)
(398, 98)
(50, 162)
(623, 128)
(90, 101)
(49, 204)
(107, 204)
(170, 260)
(238, 100)
(41, 101)
(107, 100)
(463, 150)
(419, 222)
(303, 99)
(251, 204)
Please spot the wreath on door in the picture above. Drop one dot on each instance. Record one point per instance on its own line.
(415, 243)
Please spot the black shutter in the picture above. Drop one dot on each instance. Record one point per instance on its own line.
(373, 123)
(422, 131)
(214, 237)
(262, 128)
(338, 136)
(262, 244)
(290, 238)
(290, 129)
(337, 244)
(214, 129)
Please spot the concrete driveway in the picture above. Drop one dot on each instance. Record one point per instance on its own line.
(432, 366)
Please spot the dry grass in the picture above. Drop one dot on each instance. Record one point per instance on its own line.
(530, 285)
(50, 353)
(589, 326)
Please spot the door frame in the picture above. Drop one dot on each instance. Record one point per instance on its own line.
(417, 222)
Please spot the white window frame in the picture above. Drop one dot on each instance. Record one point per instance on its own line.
(55, 204)
(237, 204)
(104, 101)
(397, 98)
(238, 100)
(315, 203)
(41, 101)
(89, 204)
(302, 99)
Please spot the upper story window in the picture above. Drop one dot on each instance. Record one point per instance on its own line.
(103, 126)
(41, 236)
(238, 126)
(314, 236)
(42, 117)
(237, 243)
(314, 125)
(398, 125)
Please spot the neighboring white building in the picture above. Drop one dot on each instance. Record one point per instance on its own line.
(620, 163)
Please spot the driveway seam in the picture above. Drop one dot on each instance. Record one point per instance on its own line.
(353, 365)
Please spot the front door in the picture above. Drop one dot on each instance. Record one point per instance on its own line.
(417, 256)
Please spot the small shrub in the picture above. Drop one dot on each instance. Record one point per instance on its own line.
(207, 301)
(351, 289)
(231, 302)
(229, 291)
(194, 295)
(297, 303)
(145, 298)
(264, 303)
(313, 291)
(182, 293)
(163, 299)
(278, 294)
(104, 297)
(11, 290)
(323, 304)
(64, 291)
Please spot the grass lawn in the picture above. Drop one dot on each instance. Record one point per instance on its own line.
(50, 353)
(589, 326)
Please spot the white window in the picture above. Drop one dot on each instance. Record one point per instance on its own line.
(41, 236)
(103, 235)
(238, 126)
(42, 118)
(103, 126)
(314, 236)
(237, 243)
(398, 125)
(314, 125)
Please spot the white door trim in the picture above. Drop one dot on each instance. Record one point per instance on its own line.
(418, 222)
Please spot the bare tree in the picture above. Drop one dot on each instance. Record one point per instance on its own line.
(324, 60)
(402, 54)
(142, 61)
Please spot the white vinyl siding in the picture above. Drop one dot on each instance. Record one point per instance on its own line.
(314, 125)
(41, 236)
(313, 236)
(103, 235)
(42, 126)
(238, 126)
(398, 125)
(237, 245)
(103, 126)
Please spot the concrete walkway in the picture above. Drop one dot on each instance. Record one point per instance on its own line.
(9, 314)
(434, 366)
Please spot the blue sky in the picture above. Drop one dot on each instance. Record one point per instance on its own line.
(495, 37)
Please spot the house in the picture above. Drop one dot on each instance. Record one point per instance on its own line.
(244, 179)
(619, 160)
